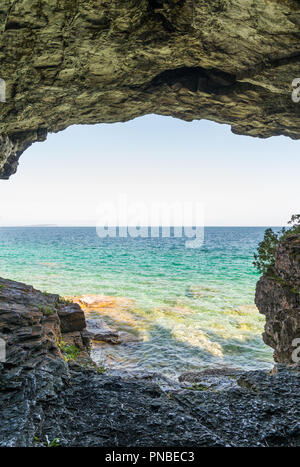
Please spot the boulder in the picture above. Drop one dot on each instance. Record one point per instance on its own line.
(71, 317)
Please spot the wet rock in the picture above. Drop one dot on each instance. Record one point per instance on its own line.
(194, 376)
(98, 330)
(215, 379)
(115, 309)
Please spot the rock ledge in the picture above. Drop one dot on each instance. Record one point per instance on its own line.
(49, 391)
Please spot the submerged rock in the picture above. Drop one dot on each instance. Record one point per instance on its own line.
(116, 309)
(194, 291)
(94, 302)
(98, 330)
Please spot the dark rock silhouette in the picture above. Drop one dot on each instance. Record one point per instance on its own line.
(51, 392)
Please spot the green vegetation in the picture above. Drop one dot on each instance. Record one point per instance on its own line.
(48, 444)
(71, 352)
(101, 370)
(64, 301)
(46, 311)
(197, 387)
(264, 259)
(55, 443)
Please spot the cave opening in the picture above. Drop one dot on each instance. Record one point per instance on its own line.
(173, 307)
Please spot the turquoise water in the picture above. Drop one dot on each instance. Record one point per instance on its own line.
(191, 308)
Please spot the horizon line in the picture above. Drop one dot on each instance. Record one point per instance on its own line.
(53, 226)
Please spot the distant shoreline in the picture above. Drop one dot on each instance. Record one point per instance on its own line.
(150, 226)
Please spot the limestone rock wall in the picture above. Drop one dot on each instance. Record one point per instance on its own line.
(71, 62)
(278, 298)
(37, 326)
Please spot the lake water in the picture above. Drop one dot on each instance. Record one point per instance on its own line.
(191, 308)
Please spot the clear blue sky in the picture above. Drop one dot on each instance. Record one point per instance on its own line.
(241, 180)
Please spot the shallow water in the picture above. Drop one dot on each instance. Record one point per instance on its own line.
(191, 308)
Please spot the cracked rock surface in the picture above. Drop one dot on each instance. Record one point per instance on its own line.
(91, 61)
(48, 394)
(278, 298)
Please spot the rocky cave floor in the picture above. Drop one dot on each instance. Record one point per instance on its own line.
(48, 397)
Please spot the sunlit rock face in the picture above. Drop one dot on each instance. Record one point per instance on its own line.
(85, 62)
(278, 298)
